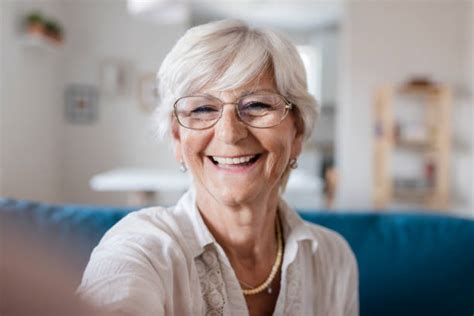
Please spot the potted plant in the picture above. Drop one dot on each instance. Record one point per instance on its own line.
(34, 23)
(53, 31)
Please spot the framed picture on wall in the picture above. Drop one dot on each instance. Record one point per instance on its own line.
(115, 77)
(81, 103)
(148, 92)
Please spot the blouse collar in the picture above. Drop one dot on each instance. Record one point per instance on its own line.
(199, 237)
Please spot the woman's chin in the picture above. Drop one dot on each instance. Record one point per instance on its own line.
(231, 194)
(235, 197)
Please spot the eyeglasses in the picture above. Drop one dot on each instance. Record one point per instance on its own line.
(259, 110)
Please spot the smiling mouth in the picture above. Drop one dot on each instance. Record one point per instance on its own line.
(227, 162)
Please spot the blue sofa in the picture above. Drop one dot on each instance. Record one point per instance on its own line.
(409, 264)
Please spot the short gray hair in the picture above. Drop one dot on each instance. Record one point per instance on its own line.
(226, 55)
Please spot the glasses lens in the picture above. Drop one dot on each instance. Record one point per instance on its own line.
(262, 110)
(197, 112)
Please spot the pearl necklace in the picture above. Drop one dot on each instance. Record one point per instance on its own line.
(275, 268)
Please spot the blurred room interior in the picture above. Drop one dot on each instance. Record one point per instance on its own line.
(394, 80)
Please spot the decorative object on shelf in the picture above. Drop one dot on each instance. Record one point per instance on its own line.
(43, 28)
(419, 85)
(148, 92)
(81, 103)
(115, 77)
(53, 31)
(430, 172)
(414, 135)
(34, 24)
(428, 138)
(420, 82)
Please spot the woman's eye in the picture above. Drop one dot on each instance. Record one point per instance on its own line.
(204, 109)
(256, 106)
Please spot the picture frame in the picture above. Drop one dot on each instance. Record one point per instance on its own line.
(148, 92)
(115, 77)
(81, 103)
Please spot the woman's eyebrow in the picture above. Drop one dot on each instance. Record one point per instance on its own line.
(245, 93)
(242, 94)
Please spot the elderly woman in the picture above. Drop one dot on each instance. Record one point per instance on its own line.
(235, 102)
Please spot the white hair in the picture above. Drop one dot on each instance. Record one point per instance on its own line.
(226, 55)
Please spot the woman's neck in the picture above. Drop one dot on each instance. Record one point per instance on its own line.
(246, 232)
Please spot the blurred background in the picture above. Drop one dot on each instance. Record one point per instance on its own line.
(394, 80)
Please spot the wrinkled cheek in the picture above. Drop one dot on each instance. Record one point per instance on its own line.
(277, 165)
(193, 161)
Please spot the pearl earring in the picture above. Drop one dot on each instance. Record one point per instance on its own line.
(293, 163)
(183, 167)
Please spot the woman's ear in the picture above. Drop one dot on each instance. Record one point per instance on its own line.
(297, 145)
(175, 130)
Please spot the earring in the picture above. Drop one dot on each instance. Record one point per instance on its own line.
(293, 163)
(182, 167)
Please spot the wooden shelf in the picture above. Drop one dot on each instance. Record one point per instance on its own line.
(420, 89)
(414, 145)
(436, 149)
(411, 196)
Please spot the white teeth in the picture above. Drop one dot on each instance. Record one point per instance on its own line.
(232, 161)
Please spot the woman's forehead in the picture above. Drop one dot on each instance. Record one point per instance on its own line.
(264, 83)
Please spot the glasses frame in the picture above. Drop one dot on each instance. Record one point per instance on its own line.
(288, 107)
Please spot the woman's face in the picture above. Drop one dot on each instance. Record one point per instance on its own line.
(211, 154)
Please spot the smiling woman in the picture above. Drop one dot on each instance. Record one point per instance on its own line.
(234, 101)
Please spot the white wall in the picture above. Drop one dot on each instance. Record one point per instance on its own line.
(388, 42)
(328, 39)
(31, 112)
(43, 157)
(122, 135)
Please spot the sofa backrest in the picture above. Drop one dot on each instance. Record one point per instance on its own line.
(409, 264)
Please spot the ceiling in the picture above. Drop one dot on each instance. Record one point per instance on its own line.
(298, 15)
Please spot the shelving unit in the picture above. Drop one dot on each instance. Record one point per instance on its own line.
(431, 190)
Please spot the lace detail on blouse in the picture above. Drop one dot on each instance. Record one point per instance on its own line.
(293, 305)
(211, 281)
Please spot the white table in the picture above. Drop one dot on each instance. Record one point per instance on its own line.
(142, 184)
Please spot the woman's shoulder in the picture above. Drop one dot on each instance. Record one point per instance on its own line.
(150, 229)
(337, 264)
(330, 242)
(143, 221)
(136, 262)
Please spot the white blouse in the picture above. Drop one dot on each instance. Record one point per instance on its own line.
(164, 261)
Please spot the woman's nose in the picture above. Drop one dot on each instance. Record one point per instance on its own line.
(230, 129)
